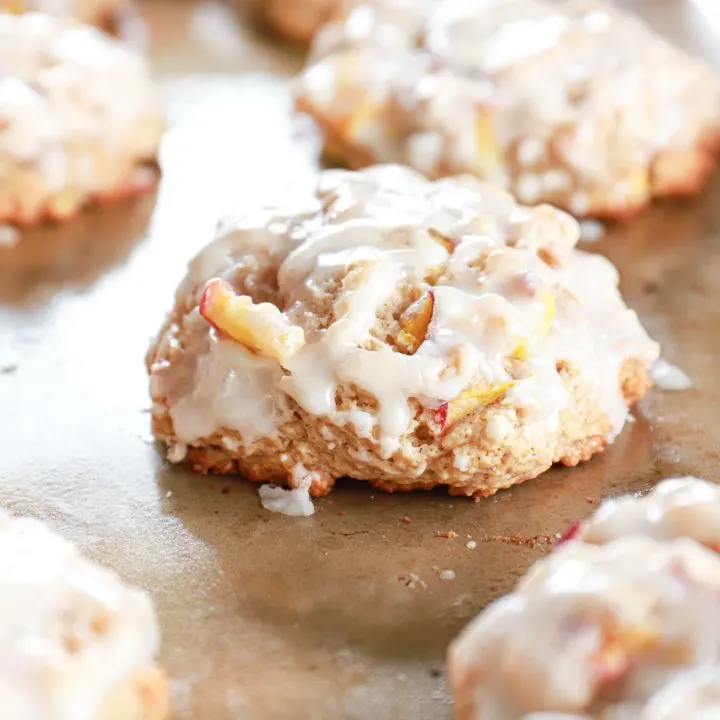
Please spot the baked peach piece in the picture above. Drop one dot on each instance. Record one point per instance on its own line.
(624, 630)
(298, 20)
(81, 118)
(406, 332)
(76, 643)
(571, 102)
(106, 14)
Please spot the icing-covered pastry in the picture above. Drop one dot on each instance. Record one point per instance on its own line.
(396, 330)
(678, 507)
(298, 20)
(572, 102)
(79, 118)
(75, 642)
(105, 14)
(623, 631)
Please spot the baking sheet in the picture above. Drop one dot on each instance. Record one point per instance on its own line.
(344, 614)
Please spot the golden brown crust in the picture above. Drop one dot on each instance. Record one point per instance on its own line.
(585, 432)
(26, 210)
(112, 20)
(115, 21)
(635, 380)
(675, 172)
(298, 20)
(671, 173)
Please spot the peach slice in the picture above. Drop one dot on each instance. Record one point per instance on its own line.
(441, 239)
(571, 532)
(260, 328)
(488, 150)
(367, 110)
(549, 314)
(347, 69)
(612, 661)
(639, 186)
(521, 351)
(414, 323)
(448, 413)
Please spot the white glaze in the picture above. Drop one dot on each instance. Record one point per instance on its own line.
(692, 695)
(677, 507)
(591, 231)
(64, 86)
(9, 236)
(377, 221)
(295, 502)
(669, 377)
(594, 81)
(635, 616)
(246, 401)
(71, 631)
